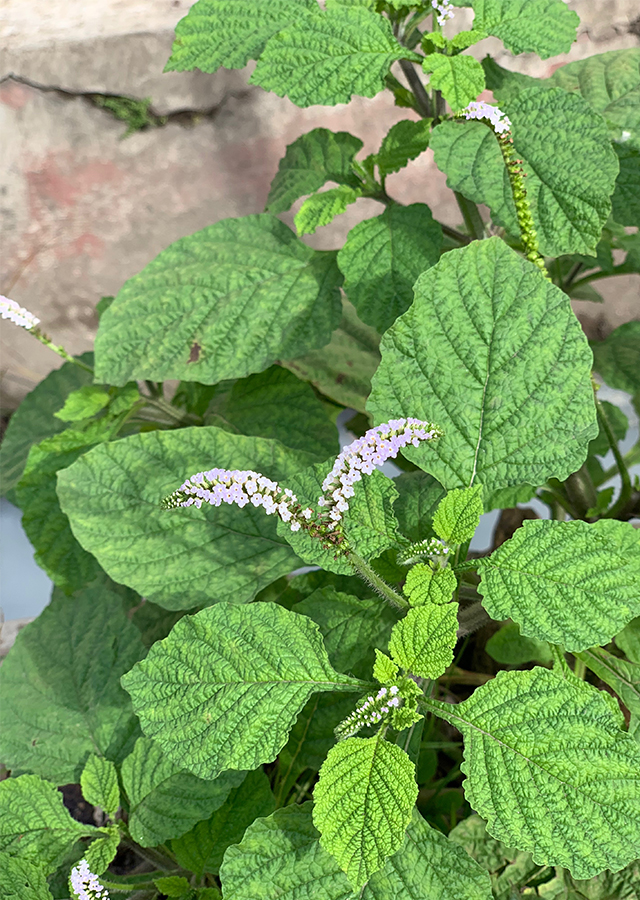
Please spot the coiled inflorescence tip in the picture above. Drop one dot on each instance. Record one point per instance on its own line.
(478, 109)
(85, 885)
(9, 309)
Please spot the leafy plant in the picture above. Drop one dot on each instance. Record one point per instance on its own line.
(246, 728)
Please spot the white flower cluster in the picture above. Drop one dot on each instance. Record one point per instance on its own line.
(85, 885)
(429, 548)
(444, 10)
(9, 309)
(230, 486)
(370, 711)
(478, 109)
(362, 456)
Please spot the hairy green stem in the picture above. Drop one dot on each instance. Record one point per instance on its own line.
(417, 88)
(379, 585)
(560, 660)
(627, 488)
(471, 216)
(528, 233)
(57, 348)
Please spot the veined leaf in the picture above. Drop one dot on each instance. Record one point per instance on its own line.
(202, 849)
(322, 208)
(34, 823)
(164, 800)
(617, 358)
(415, 508)
(223, 690)
(511, 648)
(405, 140)
(620, 674)
(184, 557)
(101, 852)
(422, 643)
(549, 768)
(459, 78)
(363, 803)
(570, 165)
(569, 583)
(629, 640)
(626, 197)
(505, 84)
(229, 33)
(34, 420)
(83, 403)
(99, 783)
(22, 880)
(328, 58)
(545, 27)
(426, 585)
(312, 160)
(469, 155)
(508, 381)
(458, 515)
(59, 707)
(221, 303)
(383, 257)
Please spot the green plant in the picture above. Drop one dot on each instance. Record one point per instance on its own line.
(248, 732)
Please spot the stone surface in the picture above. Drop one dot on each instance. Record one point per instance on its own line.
(82, 210)
(9, 632)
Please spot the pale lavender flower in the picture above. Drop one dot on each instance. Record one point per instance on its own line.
(9, 309)
(85, 885)
(444, 9)
(478, 109)
(241, 487)
(370, 711)
(362, 456)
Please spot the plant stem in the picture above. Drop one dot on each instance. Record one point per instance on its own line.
(622, 269)
(171, 412)
(417, 88)
(379, 585)
(627, 488)
(631, 458)
(574, 271)
(581, 491)
(455, 235)
(560, 660)
(471, 216)
(579, 668)
(46, 340)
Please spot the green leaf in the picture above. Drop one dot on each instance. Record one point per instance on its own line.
(384, 670)
(201, 849)
(505, 84)
(383, 257)
(277, 405)
(508, 381)
(626, 197)
(370, 525)
(617, 358)
(568, 583)
(629, 640)
(312, 160)
(164, 800)
(251, 670)
(101, 852)
(545, 27)
(322, 208)
(472, 834)
(34, 823)
(229, 33)
(469, 154)
(35, 420)
(619, 674)
(570, 165)
(59, 706)
(510, 648)
(426, 585)
(363, 803)
(549, 768)
(464, 39)
(22, 880)
(184, 557)
(459, 78)
(344, 368)
(458, 515)
(420, 494)
(618, 423)
(405, 140)
(173, 885)
(99, 783)
(83, 403)
(47, 527)
(422, 643)
(610, 83)
(221, 303)
(327, 58)
(507, 498)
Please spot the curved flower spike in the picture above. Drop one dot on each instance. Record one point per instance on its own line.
(478, 109)
(85, 885)
(444, 10)
(9, 309)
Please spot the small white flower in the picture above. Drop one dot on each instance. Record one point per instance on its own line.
(9, 309)
(478, 109)
(85, 885)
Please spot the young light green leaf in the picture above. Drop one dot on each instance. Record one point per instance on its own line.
(626, 197)
(464, 39)
(617, 358)
(422, 643)
(99, 783)
(59, 707)
(363, 803)
(34, 823)
(420, 494)
(469, 154)
(426, 585)
(229, 33)
(221, 303)
(329, 57)
(459, 78)
(184, 557)
(570, 165)
(545, 27)
(201, 849)
(344, 368)
(405, 140)
(458, 515)
(518, 404)
(620, 674)
(251, 670)
(83, 403)
(549, 768)
(22, 880)
(164, 800)
(511, 648)
(35, 420)
(174, 886)
(383, 257)
(568, 583)
(322, 208)
(385, 669)
(101, 852)
(312, 160)
(629, 640)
